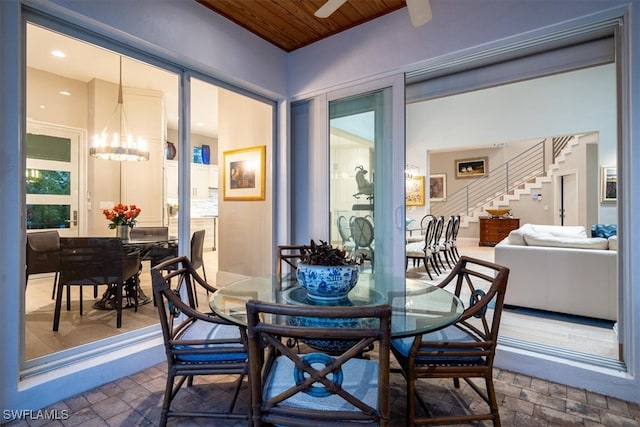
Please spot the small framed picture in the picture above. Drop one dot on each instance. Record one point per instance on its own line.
(437, 187)
(608, 184)
(472, 168)
(244, 173)
(414, 192)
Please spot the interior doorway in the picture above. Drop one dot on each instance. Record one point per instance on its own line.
(569, 199)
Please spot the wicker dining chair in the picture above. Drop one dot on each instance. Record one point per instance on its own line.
(464, 350)
(43, 255)
(92, 261)
(196, 343)
(303, 386)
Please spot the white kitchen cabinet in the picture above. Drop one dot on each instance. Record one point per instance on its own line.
(199, 181)
(171, 179)
(213, 176)
(209, 225)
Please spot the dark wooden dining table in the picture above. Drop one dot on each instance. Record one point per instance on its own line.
(417, 307)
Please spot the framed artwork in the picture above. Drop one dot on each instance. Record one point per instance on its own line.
(608, 184)
(472, 168)
(414, 193)
(437, 187)
(244, 173)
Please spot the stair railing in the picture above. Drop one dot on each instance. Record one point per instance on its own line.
(502, 180)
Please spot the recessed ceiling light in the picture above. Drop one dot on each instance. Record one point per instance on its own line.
(42, 107)
(64, 93)
(200, 124)
(58, 54)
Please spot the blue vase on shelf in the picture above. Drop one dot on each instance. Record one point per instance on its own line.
(206, 154)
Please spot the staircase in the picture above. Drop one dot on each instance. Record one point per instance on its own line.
(509, 182)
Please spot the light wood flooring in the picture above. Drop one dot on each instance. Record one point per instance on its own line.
(95, 324)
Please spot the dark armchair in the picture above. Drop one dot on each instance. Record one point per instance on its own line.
(304, 387)
(196, 343)
(464, 350)
(43, 255)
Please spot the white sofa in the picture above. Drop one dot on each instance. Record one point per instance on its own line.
(560, 269)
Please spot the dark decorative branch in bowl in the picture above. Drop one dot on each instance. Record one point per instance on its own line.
(324, 254)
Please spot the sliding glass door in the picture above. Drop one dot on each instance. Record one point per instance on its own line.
(366, 188)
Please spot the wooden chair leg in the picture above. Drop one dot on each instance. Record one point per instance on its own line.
(426, 267)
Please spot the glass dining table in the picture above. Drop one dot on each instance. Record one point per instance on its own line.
(417, 307)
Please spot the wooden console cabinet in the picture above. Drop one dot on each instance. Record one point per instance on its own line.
(492, 230)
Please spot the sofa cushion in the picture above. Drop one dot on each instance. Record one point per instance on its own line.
(613, 243)
(539, 239)
(516, 237)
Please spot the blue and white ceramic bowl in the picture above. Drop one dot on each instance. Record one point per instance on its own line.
(327, 282)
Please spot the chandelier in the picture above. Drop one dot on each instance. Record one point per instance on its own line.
(410, 171)
(120, 145)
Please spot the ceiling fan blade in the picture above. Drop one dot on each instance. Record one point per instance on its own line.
(419, 12)
(328, 8)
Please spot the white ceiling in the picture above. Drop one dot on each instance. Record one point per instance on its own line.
(85, 62)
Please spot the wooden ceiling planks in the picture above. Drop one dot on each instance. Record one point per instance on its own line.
(291, 24)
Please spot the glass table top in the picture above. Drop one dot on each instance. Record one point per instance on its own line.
(417, 307)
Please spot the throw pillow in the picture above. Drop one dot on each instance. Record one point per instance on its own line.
(604, 230)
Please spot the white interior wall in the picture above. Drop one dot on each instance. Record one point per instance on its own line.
(245, 227)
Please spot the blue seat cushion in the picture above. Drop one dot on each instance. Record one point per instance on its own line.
(359, 377)
(448, 334)
(202, 330)
(604, 230)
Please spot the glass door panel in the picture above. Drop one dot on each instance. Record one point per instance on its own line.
(366, 187)
(352, 140)
(52, 180)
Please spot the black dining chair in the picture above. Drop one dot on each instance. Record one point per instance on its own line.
(196, 255)
(93, 261)
(43, 255)
(464, 350)
(196, 344)
(303, 386)
(435, 245)
(421, 251)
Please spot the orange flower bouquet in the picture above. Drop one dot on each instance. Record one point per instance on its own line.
(122, 215)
